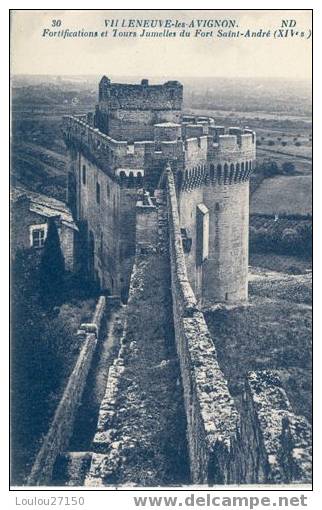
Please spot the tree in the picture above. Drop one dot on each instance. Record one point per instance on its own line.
(52, 268)
(270, 168)
(288, 167)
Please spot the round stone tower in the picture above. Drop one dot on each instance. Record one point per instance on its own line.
(214, 214)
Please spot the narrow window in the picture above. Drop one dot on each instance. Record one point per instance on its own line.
(37, 235)
(38, 238)
(84, 174)
(226, 296)
(98, 193)
(108, 191)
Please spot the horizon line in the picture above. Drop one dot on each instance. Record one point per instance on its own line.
(167, 76)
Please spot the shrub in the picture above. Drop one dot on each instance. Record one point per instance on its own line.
(270, 168)
(288, 167)
(298, 144)
(290, 239)
(284, 144)
(271, 142)
(52, 268)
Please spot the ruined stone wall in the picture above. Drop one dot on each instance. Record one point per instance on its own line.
(275, 444)
(212, 418)
(143, 96)
(61, 428)
(128, 112)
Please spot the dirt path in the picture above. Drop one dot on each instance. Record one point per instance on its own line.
(147, 433)
(86, 421)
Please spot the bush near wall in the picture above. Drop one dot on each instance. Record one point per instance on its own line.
(286, 235)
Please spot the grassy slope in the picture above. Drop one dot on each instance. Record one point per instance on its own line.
(273, 331)
(281, 263)
(289, 194)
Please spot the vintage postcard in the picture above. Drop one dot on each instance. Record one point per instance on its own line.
(161, 251)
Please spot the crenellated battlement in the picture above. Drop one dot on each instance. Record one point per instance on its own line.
(107, 153)
(112, 155)
(225, 156)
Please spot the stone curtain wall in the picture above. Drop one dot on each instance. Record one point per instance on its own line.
(275, 445)
(212, 418)
(59, 434)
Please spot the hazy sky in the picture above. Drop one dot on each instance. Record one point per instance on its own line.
(176, 57)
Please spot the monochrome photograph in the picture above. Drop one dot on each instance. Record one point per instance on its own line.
(161, 249)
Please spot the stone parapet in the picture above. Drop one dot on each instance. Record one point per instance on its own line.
(212, 418)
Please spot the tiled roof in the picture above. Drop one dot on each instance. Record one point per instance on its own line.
(44, 205)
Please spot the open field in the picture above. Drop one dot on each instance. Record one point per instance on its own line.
(283, 194)
(294, 146)
(257, 116)
(283, 263)
(298, 144)
(272, 331)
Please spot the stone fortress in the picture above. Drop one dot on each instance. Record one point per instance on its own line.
(161, 202)
(124, 146)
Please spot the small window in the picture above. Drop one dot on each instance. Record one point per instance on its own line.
(84, 174)
(108, 191)
(38, 237)
(98, 193)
